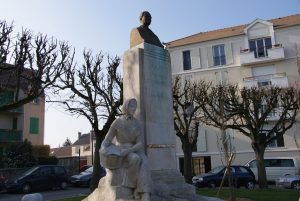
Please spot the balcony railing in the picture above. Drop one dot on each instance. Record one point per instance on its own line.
(279, 80)
(9, 135)
(262, 55)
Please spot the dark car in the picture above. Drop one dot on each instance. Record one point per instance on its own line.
(84, 167)
(241, 175)
(84, 178)
(38, 178)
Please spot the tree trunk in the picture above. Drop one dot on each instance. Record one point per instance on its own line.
(96, 165)
(261, 170)
(188, 173)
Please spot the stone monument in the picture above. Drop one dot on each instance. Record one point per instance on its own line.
(147, 82)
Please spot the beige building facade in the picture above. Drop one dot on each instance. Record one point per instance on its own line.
(261, 53)
(25, 122)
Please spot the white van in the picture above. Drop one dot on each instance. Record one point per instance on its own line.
(277, 166)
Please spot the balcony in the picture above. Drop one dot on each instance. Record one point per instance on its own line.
(9, 135)
(18, 110)
(7, 97)
(279, 80)
(263, 55)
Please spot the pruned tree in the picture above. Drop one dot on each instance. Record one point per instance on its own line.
(249, 111)
(28, 65)
(263, 114)
(94, 92)
(213, 113)
(186, 126)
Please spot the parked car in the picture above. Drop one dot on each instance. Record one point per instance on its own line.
(38, 178)
(277, 166)
(242, 176)
(84, 167)
(84, 178)
(289, 181)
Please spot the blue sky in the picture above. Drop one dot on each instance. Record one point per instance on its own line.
(105, 26)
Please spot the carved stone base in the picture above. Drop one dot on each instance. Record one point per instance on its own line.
(167, 185)
(170, 182)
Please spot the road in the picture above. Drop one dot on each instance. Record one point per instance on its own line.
(48, 195)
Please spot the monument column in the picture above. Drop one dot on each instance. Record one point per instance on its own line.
(147, 78)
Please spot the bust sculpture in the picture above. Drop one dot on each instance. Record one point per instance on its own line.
(123, 148)
(143, 34)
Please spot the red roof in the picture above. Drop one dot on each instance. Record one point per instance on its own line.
(278, 23)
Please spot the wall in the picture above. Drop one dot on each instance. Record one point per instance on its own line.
(34, 110)
(288, 37)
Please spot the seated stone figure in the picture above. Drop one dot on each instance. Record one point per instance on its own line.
(122, 153)
(143, 34)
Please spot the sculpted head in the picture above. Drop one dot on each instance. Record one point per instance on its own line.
(145, 18)
(129, 107)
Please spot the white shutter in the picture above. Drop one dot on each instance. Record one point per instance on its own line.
(201, 140)
(210, 61)
(218, 77)
(250, 83)
(228, 54)
(195, 57)
(229, 131)
(221, 77)
(265, 70)
(279, 81)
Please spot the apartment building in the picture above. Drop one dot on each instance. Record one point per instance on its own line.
(261, 53)
(24, 122)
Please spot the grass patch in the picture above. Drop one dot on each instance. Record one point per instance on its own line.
(255, 195)
(73, 198)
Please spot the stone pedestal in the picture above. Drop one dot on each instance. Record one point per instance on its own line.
(110, 189)
(147, 78)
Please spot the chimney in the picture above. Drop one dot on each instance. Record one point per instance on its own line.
(79, 135)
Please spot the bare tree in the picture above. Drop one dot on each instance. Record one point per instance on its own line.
(213, 113)
(95, 92)
(28, 65)
(186, 128)
(264, 115)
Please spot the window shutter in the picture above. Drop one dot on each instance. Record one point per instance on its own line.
(195, 56)
(219, 77)
(228, 53)
(34, 125)
(279, 81)
(250, 83)
(209, 56)
(229, 132)
(201, 140)
(15, 123)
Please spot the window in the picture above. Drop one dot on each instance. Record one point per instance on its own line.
(35, 101)
(278, 142)
(243, 170)
(260, 47)
(15, 123)
(59, 170)
(252, 164)
(34, 125)
(45, 171)
(6, 97)
(186, 55)
(219, 55)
